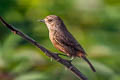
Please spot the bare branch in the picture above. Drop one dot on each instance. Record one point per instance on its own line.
(50, 54)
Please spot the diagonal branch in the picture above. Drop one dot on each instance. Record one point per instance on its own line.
(55, 56)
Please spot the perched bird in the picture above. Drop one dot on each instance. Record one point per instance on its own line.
(63, 40)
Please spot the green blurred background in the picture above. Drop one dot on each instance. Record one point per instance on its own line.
(94, 23)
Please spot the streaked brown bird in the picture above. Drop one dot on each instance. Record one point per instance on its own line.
(63, 40)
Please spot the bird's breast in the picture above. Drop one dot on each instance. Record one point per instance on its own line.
(52, 36)
(55, 43)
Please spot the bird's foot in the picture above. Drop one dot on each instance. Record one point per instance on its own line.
(72, 58)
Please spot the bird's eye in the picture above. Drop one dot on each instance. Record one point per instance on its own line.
(50, 20)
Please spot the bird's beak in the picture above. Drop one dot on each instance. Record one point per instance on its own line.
(42, 20)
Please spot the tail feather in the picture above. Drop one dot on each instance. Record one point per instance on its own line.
(91, 66)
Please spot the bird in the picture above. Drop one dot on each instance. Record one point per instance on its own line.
(63, 40)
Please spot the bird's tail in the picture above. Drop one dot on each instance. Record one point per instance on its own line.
(91, 66)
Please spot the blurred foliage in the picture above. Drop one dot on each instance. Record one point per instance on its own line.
(94, 23)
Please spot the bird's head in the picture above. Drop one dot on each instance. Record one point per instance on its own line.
(52, 21)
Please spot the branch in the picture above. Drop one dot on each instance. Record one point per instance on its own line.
(50, 54)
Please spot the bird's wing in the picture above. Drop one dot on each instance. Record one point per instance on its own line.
(68, 40)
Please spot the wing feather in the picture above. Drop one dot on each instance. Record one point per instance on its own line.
(69, 41)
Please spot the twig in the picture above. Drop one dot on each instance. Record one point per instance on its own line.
(55, 56)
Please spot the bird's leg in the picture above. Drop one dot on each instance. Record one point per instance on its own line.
(72, 58)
